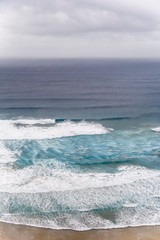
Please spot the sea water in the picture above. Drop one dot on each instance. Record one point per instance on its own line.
(80, 143)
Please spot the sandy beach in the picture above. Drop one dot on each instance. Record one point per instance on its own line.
(20, 232)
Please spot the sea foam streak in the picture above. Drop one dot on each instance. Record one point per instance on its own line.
(10, 130)
(156, 129)
(34, 121)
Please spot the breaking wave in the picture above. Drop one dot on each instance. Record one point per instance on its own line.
(15, 129)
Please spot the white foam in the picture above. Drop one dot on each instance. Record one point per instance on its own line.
(130, 205)
(81, 222)
(34, 121)
(6, 155)
(88, 220)
(156, 129)
(36, 179)
(8, 130)
(83, 192)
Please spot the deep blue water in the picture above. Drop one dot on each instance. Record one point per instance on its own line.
(80, 143)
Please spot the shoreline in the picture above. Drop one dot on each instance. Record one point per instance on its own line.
(9, 231)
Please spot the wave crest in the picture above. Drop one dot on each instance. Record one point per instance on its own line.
(156, 129)
(28, 129)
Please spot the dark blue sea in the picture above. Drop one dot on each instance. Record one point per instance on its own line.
(80, 143)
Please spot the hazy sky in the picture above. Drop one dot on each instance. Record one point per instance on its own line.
(79, 28)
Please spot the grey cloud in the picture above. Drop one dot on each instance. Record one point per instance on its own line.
(61, 17)
(79, 28)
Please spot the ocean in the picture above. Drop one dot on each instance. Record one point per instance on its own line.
(80, 143)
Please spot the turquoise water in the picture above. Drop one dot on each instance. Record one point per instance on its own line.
(79, 143)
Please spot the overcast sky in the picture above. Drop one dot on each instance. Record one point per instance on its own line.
(79, 28)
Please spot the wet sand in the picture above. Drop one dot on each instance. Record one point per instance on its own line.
(20, 232)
